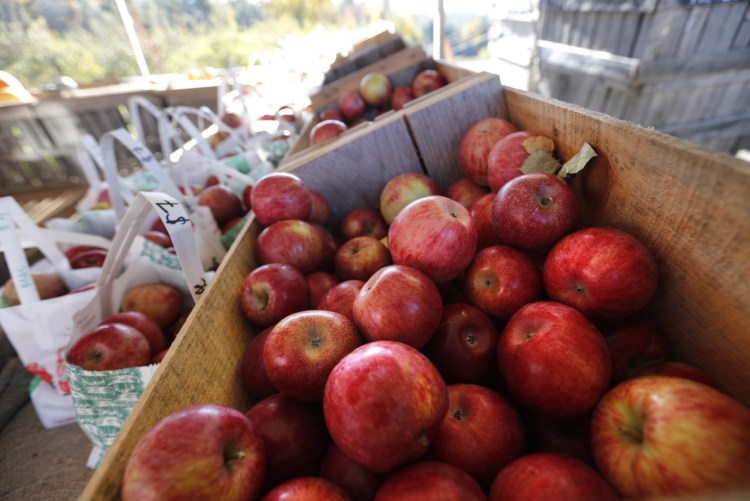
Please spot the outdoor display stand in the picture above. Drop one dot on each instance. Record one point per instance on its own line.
(686, 204)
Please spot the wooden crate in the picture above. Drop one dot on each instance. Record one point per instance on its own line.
(364, 53)
(688, 205)
(681, 67)
(401, 67)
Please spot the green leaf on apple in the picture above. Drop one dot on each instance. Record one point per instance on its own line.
(540, 161)
(577, 162)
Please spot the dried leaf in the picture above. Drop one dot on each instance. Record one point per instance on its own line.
(537, 143)
(540, 161)
(577, 162)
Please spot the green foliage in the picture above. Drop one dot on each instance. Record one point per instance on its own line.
(41, 40)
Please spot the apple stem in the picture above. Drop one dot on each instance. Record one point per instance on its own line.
(230, 456)
(458, 415)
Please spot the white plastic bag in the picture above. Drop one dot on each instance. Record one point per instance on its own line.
(39, 330)
(103, 399)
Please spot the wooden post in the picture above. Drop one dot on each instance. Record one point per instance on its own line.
(438, 31)
(127, 21)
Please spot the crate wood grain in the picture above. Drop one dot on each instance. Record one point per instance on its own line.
(649, 30)
(688, 205)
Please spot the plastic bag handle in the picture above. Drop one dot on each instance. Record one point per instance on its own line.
(178, 224)
(146, 159)
(135, 103)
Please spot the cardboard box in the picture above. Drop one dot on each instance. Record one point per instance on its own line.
(401, 67)
(688, 206)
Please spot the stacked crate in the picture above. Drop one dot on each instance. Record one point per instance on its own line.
(680, 66)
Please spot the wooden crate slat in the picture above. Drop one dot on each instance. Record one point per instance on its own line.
(692, 31)
(742, 37)
(721, 26)
(475, 98)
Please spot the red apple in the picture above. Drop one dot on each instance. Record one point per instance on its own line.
(157, 237)
(376, 89)
(72, 252)
(203, 451)
(435, 235)
(554, 360)
(429, 480)
(103, 199)
(351, 105)
(364, 222)
(681, 369)
(398, 303)
(211, 180)
(480, 434)
(403, 189)
(465, 191)
(286, 113)
(110, 347)
(231, 224)
(635, 344)
(509, 153)
(481, 213)
(159, 357)
(669, 437)
(605, 273)
(143, 324)
(330, 114)
(254, 375)
(291, 241)
(427, 81)
(231, 119)
(320, 282)
(533, 211)
(464, 348)
(307, 489)
(223, 202)
(294, 437)
(476, 144)
(92, 258)
(303, 347)
(273, 291)
(326, 130)
(321, 211)
(360, 257)
(401, 95)
(383, 403)
(358, 482)
(247, 193)
(340, 298)
(500, 280)
(550, 475)
(278, 196)
(330, 246)
(162, 303)
(158, 225)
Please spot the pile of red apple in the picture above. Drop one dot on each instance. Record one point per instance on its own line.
(139, 334)
(376, 95)
(472, 344)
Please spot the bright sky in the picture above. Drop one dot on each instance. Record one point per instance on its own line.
(428, 6)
